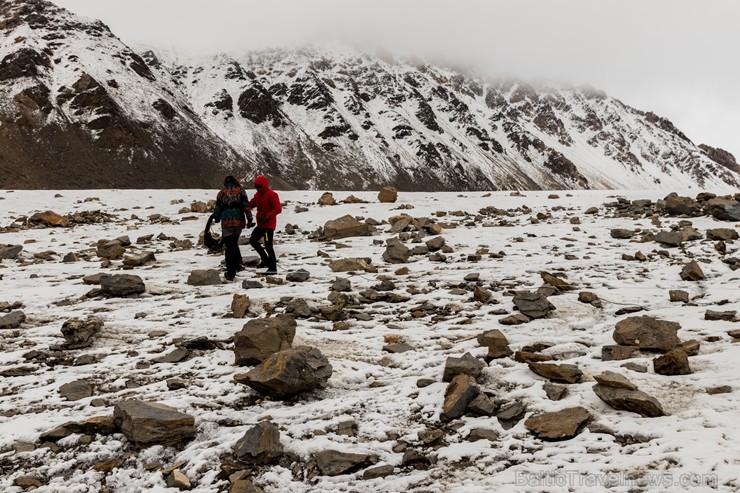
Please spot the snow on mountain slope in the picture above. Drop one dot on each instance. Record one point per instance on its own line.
(80, 108)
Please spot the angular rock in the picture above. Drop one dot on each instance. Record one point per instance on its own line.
(341, 285)
(260, 444)
(724, 234)
(50, 219)
(288, 373)
(483, 405)
(497, 344)
(174, 356)
(564, 373)
(622, 234)
(334, 463)
(345, 227)
(121, 284)
(398, 348)
(515, 319)
(240, 305)
(678, 295)
(676, 205)
(724, 209)
(670, 238)
(554, 391)
(139, 259)
(327, 198)
(349, 264)
(79, 333)
(617, 352)
(612, 379)
(674, 362)
(178, 479)
(301, 275)
(727, 316)
(378, 472)
(532, 304)
(204, 277)
(396, 252)
(465, 365)
(435, 244)
(635, 401)
(10, 252)
(262, 337)
(647, 333)
(692, 272)
(559, 425)
(150, 423)
(74, 391)
(388, 195)
(458, 395)
(12, 320)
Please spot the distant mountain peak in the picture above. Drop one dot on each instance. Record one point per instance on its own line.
(79, 108)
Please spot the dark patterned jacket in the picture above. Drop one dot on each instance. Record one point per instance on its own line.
(232, 205)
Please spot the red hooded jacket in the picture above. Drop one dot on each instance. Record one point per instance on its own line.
(267, 202)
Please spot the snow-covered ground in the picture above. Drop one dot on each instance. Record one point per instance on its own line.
(696, 446)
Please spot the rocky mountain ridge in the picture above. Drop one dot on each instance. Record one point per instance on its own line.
(80, 109)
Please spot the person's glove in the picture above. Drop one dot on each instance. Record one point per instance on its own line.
(216, 219)
(251, 224)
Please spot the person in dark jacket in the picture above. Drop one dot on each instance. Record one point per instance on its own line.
(232, 206)
(268, 206)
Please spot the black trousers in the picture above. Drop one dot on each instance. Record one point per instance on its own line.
(232, 253)
(267, 254)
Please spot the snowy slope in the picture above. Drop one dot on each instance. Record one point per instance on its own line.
(694, 448)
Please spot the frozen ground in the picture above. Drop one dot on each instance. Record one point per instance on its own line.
(696, 446)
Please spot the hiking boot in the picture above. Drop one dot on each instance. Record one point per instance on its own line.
(229, 277)
(271, 271)
(261, 265)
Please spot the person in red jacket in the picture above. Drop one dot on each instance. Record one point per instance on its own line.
(268, 206)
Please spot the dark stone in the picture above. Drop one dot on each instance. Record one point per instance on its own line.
(635, 401)
(121, 284)
(458, 395)
(559, 373)
(647, 333)
(334, 463)
(674, 362)
(559, 425)
(150, 423)
(260, 444)
(262, 337)
(465, 365)
(288, 373)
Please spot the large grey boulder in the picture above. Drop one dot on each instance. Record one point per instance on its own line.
(150, 423)
(260, 444)
(121, 284)
(289, 373)
(262, 337)
(724, 209)
(647, 332)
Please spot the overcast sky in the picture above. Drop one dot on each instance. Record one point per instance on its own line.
(675, 57)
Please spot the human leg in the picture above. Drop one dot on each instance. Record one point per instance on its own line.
(272, 262)
(233, 254)
(254, 240)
